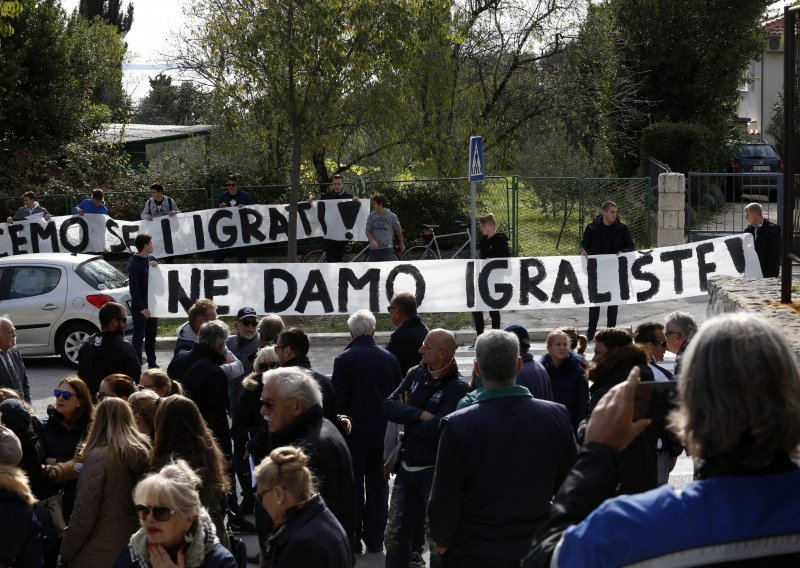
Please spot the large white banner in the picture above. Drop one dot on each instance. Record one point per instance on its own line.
(188, 233)
(455, 285)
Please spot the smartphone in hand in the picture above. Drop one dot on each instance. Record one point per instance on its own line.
(654, 399)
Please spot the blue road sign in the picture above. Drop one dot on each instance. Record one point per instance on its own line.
(476, 158)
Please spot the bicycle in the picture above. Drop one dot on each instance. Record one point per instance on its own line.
(431, 251)
(318, 255)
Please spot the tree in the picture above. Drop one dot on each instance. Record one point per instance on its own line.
(110, 11)
(9, 10)
(692, 55)
(294, 65)
(170, 104)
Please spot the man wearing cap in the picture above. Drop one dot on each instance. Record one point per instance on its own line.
(532, 375)
(244, 345)
(94, 204)
(12, 370)
(20, 538)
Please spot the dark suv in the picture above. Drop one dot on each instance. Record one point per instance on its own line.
(756, 157)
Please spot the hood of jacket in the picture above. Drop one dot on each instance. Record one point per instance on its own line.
(103, 343)
(598, 220)
(618, 359)
(252, 382)
(14, 482)
(186, 333)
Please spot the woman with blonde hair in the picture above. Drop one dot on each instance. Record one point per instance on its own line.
(305, 532)
(181, 432)
(144, 404)
(159, 382)
(176, 528)
(114, 456)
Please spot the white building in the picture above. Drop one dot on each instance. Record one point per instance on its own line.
(760, 94)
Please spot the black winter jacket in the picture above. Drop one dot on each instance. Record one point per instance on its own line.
(591, 243)
(768, 247)
(104, 354)
(206, 384)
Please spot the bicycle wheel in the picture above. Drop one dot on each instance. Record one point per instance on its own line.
(315, 256)
(419, 253)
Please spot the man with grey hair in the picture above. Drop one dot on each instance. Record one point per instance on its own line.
(12, 370)
(476, 521)
(291, 403)
(364, 374)
(269, 328)
(679, 327)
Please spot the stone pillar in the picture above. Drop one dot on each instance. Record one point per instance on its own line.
(671, 210)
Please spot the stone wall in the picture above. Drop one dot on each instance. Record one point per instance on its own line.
(671, 219)
(727, 294)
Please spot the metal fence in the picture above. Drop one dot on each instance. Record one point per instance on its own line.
(552, 213)
(716, 201)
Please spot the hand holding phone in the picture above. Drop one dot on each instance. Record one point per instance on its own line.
(654, 399)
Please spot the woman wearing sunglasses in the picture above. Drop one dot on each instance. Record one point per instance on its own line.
(176, 528)
(305, 532)
(114, 457)
(66, 426)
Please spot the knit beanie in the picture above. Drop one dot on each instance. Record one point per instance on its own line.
(15, 415)
(10, 448)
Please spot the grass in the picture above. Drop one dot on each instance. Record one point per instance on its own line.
(336, 323)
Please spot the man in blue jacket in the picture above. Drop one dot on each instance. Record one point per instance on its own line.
(232, 197)
(606, 234)
(364, 374)
(94, 204)
(145, 326)
(429, 392)
(500, 462)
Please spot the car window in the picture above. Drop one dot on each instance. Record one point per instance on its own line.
(758, 151)
(100, 275)
(27, 281)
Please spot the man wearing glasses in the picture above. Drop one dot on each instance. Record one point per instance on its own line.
(679, 328)
(233, 197)
(107, 353)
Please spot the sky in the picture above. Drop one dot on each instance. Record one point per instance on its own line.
(154, 23)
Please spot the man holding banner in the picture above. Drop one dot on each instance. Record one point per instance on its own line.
(606, 234)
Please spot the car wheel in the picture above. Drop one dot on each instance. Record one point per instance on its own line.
(70, 340)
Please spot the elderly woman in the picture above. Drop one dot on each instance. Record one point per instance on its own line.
(305, 533)
(739, 414)
(114, 456)
(176, 529)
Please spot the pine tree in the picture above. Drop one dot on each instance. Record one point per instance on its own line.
(110, 11)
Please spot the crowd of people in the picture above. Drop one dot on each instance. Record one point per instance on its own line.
(533, 460)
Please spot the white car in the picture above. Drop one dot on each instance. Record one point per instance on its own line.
(54, 300)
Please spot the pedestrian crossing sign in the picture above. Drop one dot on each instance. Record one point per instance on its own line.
(476, 158)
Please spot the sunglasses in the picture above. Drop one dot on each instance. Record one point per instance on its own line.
(160, 514)
(662, 343)
(269, 404)
(249, 323)
(66, 395)
(260, 494)
(101, 395)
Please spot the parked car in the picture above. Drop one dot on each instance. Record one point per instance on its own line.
(755, 157)
(54, 300)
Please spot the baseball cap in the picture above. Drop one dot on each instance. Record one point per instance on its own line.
(520, 332)
(10, 448)
(245, 312)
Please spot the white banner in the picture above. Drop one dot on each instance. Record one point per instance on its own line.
(455, 285)
(189, 233)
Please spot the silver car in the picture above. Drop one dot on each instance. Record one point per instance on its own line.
(54, 300)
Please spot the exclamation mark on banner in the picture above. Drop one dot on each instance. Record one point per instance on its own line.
(348, 211)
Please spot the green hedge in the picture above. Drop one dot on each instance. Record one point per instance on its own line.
(684, 147)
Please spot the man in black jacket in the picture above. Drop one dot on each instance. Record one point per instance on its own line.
(292, 405)
(606, 234)
(107, 352)
(766, 238)
(13, 374)
(410, 332)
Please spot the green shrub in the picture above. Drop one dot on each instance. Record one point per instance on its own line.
(684, 146)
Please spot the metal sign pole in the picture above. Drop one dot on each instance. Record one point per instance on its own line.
(474, 230)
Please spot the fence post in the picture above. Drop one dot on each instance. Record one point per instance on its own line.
(671, 210)
(515, 215)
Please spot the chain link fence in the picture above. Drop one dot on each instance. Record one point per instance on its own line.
(552, 213)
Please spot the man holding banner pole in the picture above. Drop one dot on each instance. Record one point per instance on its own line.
(606, 234)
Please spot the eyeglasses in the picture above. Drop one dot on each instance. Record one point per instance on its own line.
(668, 333)
(661, 343)
(390, 308)
(66, 395)
(102, 395)
(249, 323)
(160, 514)
(270, 404)
(281, 346)
(260, 494)
(427, 347)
